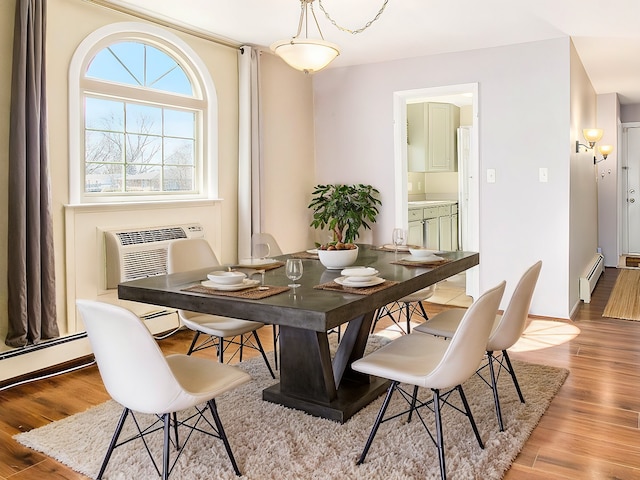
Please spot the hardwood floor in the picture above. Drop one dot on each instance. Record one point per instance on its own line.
(591, 430)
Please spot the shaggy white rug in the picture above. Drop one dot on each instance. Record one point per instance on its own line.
(273, 442)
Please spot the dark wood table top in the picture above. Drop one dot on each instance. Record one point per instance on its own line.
(309, 308)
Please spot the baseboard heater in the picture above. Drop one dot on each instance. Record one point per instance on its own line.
(590, 278)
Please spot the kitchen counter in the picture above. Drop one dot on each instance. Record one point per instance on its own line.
(431, 203)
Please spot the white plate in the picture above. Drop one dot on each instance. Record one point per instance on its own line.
(313, 251)
(401, 248)
(359, 272)
(344, 281)
(256, 262)
(429, 258)
(230, 288)
(358, 279)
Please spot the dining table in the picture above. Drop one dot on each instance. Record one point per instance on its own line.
(313, 378)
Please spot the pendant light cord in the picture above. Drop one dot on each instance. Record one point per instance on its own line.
(359, 30)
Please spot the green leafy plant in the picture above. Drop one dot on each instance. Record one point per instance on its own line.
(344, 209)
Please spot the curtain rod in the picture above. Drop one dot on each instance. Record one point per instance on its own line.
(110, 5)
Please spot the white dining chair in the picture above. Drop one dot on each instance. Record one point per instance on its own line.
(139, 377)
(507, 330)
(406, 307)
(434, 363)
(193, 254)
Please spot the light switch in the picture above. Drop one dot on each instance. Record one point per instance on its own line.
(491, 175)
(543, 174)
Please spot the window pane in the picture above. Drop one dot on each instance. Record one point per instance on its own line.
(104, 147)
(143, 178)
(179, 179)
(144, 149)
(178, 151)
(104, 114)
(144, 119)
(179, 124)
(134, 63)
(103, 178)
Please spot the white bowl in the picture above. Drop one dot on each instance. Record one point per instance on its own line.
(337, 259)
(226, 278)
(359, 272)
(421, 252)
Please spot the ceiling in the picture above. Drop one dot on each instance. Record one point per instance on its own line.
(605, 33)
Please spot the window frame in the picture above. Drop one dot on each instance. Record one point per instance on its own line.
(204, 100)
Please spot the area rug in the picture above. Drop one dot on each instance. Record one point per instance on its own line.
(273, 442)
(624, 301)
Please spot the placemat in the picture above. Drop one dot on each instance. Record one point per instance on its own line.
(432, 263)
(388, 248)
(306, 255)
(268, 267)
(253, 293)
(359, 290)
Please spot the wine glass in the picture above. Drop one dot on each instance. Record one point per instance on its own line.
(294, 271)
(398, 237)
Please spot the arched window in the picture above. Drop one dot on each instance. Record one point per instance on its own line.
(142, 116)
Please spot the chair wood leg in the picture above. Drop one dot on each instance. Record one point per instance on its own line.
(114, 440)
(379, 418)
(166, 418)
(494, 387)
(223, 435)
(264, 355)
(470, 416)
(439, 436)
(513, 375)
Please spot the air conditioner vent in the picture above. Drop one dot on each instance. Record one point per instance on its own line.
(151, 235)
(141, 252)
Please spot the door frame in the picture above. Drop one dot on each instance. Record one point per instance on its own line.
(622, 189)
(400, 100)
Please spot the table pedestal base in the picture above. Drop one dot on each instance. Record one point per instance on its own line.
(351, 397)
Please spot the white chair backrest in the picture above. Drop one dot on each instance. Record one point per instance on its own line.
(258, 239)
(190, 254)
(513, 321)
(468, 344)
(132, 366)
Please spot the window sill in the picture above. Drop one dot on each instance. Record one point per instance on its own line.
(121, 206)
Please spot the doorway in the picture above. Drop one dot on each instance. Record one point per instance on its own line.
(468, 202)
(630, 189)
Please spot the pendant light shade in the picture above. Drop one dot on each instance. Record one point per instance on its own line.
(306, 54)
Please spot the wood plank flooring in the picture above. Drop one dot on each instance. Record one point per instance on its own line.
(591, 430)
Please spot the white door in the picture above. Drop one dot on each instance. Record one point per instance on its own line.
(631, 193)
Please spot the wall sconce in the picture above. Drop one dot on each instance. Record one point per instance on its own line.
(592, 136)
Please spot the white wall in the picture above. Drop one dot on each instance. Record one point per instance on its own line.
(523, 125)
(607, 178)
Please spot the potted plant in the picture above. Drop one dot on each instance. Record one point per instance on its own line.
(344, 209)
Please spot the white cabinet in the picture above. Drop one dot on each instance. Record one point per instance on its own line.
(431, 137)
(431, 228)
(415, 235)
(454, 227)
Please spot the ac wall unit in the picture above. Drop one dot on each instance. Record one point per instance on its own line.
(133, 253)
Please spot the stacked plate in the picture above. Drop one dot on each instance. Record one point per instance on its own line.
(359, 277)
(229, 281)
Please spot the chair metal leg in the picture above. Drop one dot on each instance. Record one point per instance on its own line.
(193, 343)
(413, 402)
(175, 429)
(439, 436)
(379, 418)
(470, 416)
(264, 355)
(166, 418)
(114, 440)
(494, 387)
(275, 346)
(513, 375)
(223, 436)
(424, 312)
(221, 349)
(408, 314)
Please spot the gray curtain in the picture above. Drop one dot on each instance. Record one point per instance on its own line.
(31, 272)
